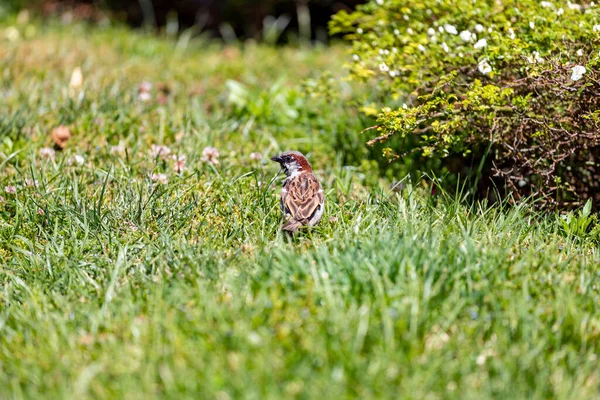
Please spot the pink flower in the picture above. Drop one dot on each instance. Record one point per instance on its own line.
(144, 91)
(179, 165)
(145, 87)
(10, 189)
(40, 211)
(159, 151)
(47, 152)
(256, 156)
(160, 178)
(210, 155)
(31, 182)
(1, 199)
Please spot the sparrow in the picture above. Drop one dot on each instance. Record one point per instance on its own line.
(301, 195)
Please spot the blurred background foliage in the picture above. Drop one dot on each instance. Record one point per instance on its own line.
(227, 19)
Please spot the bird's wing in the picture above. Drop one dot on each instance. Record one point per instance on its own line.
(303, 197)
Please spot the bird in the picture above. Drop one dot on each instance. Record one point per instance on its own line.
(302, 197)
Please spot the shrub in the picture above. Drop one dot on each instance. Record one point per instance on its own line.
(516, 82)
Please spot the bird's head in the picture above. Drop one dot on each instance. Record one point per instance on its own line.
(292, 162)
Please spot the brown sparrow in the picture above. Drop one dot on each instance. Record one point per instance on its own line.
(301, 195)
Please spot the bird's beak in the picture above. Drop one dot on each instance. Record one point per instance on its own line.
(277, 159)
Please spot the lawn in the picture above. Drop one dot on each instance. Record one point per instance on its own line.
(128, 271)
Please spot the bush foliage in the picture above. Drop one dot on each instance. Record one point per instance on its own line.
(516, 82)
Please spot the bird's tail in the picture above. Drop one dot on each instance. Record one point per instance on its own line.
(292, 225)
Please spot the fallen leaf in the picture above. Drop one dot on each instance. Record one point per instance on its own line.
(60, 136)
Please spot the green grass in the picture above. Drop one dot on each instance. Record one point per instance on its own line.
(124, 287)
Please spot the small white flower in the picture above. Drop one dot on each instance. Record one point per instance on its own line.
(574, 6)
(404, 106)
(596, 28)
(397, 32)
(380, 2)
(538, 58)
(10, 189)
(579, 52)
(535, 58)
(405, 17)
(433, 39)
(546, 4)
(466, 36)
(421, 47)
(479, 28)
(47, 152)
(578, 72)
(392, 74)
(359, 31)
(76, 159)
(1, 199)
(531, 25)
(560, 11)
(383, 67)
(144, 96)
(410, 31)
(355, 57)
(511, 34)
(445, 47)
(431, 31)
(441, 29)
(481, 43)
(451, 29)
(256, 156)
(484, 66)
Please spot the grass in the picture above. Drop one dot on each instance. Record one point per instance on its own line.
(115, 285)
